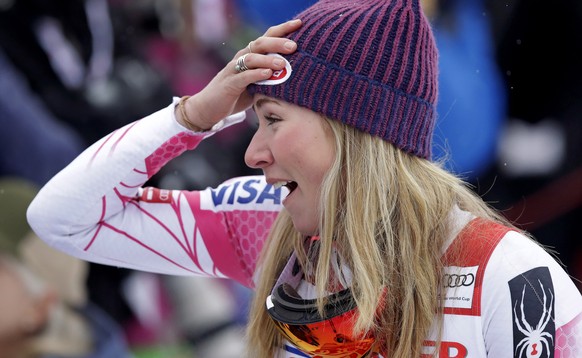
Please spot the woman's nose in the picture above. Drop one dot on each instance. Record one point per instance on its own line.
(258, 155)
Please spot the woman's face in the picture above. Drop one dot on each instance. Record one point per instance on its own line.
(294, 146)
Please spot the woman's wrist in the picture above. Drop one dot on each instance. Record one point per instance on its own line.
(182, 117)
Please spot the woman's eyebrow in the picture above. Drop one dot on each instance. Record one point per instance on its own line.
(262, 101)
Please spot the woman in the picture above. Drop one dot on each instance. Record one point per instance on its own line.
(370, 248)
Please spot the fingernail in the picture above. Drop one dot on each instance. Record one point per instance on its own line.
(295, 21)
(266, 72)
(290, 45)
(278, 62)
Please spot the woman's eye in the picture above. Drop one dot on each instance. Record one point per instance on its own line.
(271, 119)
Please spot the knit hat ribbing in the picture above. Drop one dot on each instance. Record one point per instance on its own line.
(371, 64)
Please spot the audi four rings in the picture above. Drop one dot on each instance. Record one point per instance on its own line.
(458, 280)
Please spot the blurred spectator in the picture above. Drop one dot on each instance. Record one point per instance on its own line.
(472, 98)
(537, 179)
(44, 306)
(81, 63)
(71, 72)
(34, 144)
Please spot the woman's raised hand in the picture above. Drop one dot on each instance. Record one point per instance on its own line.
(226, 93)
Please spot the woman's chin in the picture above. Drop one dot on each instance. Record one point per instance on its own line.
(306, 229)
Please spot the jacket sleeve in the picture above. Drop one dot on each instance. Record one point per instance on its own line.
(531, 307)
(96, 209)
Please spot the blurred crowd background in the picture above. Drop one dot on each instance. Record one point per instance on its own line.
(71, 71)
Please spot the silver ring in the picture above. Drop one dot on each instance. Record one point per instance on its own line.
(240, 65)
(249, 47)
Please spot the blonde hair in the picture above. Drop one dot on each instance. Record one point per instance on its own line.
(387, 213)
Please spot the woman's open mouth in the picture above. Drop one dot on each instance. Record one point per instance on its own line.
(291, 185)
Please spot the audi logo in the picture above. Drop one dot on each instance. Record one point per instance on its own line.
(454, 280)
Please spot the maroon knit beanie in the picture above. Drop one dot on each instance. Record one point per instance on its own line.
(371, 64)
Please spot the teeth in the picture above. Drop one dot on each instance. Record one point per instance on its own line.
(279, 184)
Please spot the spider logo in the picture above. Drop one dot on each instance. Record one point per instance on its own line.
(536, 339)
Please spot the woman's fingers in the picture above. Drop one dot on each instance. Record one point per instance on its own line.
(255, 60)
(273, 41)
(271, 45)
(252, 67)
(264, 45)
(226, 93)
(256, 63)
(283, 29)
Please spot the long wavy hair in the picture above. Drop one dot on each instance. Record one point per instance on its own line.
(386, 211)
